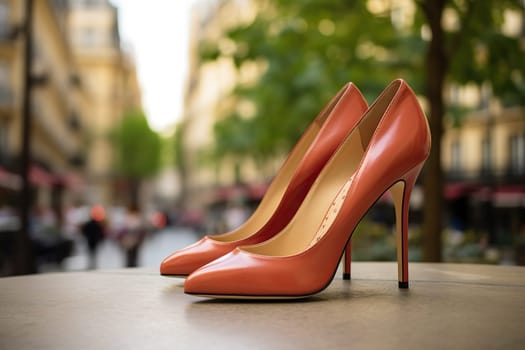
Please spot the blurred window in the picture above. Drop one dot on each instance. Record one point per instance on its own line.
(60, 4)
(523, 21)
(86, 3)
(454, 94)
(4, 74)
(485, 97)
(88, 36)
(5, 83)
(3, 139)
(486, 155)
(36, 53)
(5, 100)
(455, 156)
(4, 19)
(517, 154)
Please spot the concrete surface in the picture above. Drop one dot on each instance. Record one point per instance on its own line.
(447, 307)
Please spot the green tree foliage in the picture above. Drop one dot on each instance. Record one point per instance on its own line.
(310, 48)
(137, 152)
(180, 159)
(137, 147)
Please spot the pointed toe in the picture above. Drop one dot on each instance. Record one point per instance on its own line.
(240, 274)
(176, 264)
(185, 261)
(196, 284)
(210, 278)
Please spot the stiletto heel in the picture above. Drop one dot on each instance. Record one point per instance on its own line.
(288, 188)
(347, 273)
(385, 150)
(401, 192)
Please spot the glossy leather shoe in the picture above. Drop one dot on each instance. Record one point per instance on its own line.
(287, 190)
(386, 150)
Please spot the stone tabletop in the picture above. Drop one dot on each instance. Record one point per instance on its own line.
(448, 306)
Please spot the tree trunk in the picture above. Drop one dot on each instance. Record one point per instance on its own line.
(181, 163)
(134, 194)
(436, 67)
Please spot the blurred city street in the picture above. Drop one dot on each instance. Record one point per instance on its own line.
(218, 92)
(110, 256)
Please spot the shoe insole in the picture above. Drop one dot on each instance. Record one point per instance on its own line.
(276, 191)
(332, 212)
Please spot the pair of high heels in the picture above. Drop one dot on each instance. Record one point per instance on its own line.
(346, 160)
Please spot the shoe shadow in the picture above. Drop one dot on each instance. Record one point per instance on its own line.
(337, 290)
(325, 295)
(172, 289)
(257, 301)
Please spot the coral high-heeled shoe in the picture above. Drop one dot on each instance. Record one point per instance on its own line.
(287, 190)
(386, 150)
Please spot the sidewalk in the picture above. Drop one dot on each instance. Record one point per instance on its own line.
(110, 256)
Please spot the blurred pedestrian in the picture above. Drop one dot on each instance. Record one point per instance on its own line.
(132, 235)
(93, 232)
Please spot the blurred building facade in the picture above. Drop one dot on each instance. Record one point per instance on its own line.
(109, 76)
(484, 166)
(483, 155)
(59, 105)
(81, 83)
(207, 94)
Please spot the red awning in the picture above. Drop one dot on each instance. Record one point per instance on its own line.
(456, 190)
(483, 194)
(225, 194)
(10, 180)
(70, 180)
(38, 176)
(501, 196)
(509, 196)
(41, 177)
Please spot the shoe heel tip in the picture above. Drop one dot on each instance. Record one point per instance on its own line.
(347, 276)
(403, 285)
